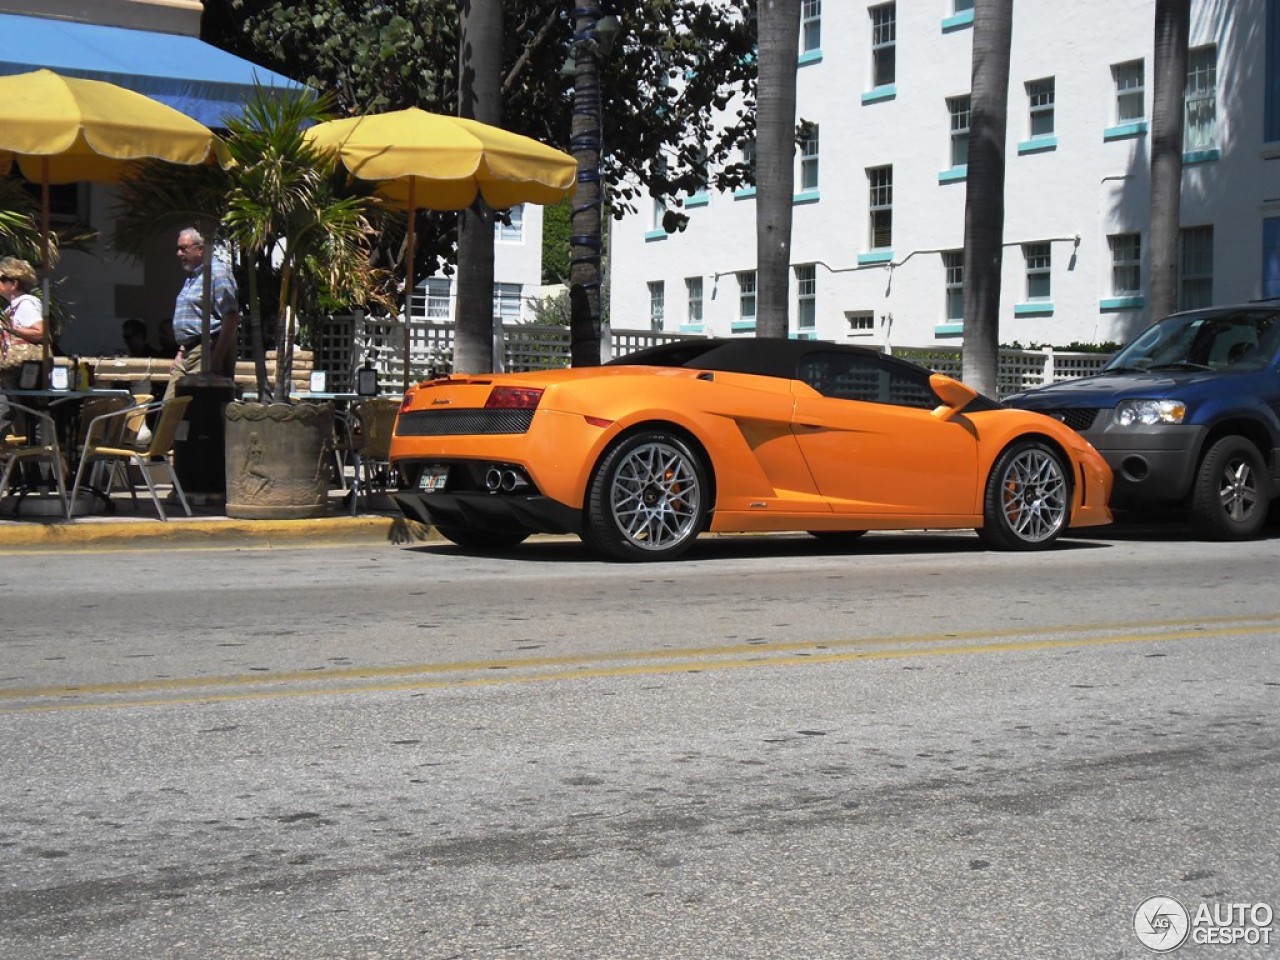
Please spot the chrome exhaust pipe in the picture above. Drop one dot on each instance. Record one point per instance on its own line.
(493, 479)
(512, 481)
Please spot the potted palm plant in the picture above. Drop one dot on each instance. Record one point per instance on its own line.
(299, 227)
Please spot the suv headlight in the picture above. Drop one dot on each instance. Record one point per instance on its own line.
(1134, 413)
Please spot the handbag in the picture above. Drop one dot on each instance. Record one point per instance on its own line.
(14, 351)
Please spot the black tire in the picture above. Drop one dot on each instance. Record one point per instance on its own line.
(648, 499)
(1232, 492)
(482, 540)
(1027, 503)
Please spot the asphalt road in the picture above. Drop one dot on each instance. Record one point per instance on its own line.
(912, 748)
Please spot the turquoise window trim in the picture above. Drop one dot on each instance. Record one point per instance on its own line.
(746, 193)
(875, 256)
(808, 57)
(743, 326)
(699, 199)
(955, 174)
(887, 92)
(1125, 131)
(691, 328)
(1036, 308)
(806, 196)
(1134, 302)
(1201, 156)
(948, 329)
(652, 235)
(1040, 144)
(957, 22)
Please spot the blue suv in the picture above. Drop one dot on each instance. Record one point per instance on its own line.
(1188, 414)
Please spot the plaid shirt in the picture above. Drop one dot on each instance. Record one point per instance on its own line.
(188, 311)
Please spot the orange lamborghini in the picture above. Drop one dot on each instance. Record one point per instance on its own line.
(639, 456)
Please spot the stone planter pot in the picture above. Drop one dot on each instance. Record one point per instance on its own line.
(277, 460)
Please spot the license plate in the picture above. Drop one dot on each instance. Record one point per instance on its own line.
(433, 478)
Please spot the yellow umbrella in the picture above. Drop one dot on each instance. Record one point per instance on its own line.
(64, 130)
(430, 161)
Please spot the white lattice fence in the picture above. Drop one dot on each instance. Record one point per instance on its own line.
(342, 344)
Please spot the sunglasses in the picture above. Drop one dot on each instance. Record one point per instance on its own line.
(184, 247)
(9, 279)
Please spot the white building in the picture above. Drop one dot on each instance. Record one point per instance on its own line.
(880, 189)
(517, 272)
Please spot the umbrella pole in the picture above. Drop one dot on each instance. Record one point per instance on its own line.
(408, 285)
(46, 338)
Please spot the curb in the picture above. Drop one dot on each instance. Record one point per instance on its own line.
(219, 532)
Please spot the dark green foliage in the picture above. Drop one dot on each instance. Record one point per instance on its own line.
(677, 63)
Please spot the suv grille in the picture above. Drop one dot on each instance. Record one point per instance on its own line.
(452, 423)
(1077, 418)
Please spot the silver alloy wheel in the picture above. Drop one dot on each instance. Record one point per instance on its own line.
(655, 497)
(1238, 489)
(1033, 495)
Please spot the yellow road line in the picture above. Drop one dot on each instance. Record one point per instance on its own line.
(633, 663)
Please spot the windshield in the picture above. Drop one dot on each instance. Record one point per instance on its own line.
(1218, 340)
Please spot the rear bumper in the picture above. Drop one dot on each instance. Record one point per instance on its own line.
(489, 511)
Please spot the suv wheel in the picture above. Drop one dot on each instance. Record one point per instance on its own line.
(1232, 491)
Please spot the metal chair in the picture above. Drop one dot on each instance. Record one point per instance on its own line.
(116, 453)
(39, 444)
(377, 419)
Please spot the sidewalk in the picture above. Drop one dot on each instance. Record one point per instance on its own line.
(125, 527)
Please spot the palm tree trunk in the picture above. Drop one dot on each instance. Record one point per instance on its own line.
(1173, 24)
(984, 192)
(778, 25)
(586, 229)
(479, 98)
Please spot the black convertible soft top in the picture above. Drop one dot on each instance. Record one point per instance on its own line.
(769, 357)
(766, 356)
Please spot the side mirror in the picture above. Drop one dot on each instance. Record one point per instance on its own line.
(955, 396)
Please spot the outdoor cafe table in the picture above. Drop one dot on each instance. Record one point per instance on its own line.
(64, 406)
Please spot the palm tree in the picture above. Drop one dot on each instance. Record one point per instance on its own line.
(778, 32)
(1173, 24)
(479, 98)
(283, 203)
(984, 196)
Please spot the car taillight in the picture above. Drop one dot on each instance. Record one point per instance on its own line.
(513, 398)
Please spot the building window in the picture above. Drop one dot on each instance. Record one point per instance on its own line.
(506, 302)
(1126, 264)
(1130, 95)
(1270, 253)
(1039, 261)
(1200, 131)
(884, 30)
(509, 228)
(657, 303)
(960, 6)
(953, 266)
(810, 26)
(693, 296)
(860, 321)
(1195, 268)
(809, 158)
(657, 212)
(438, 299)
(880, 183)
(1040, 96)
(747, 296)
(958, 107)
(806, 298)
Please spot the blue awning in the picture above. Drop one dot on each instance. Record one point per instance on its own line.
(185, 72)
